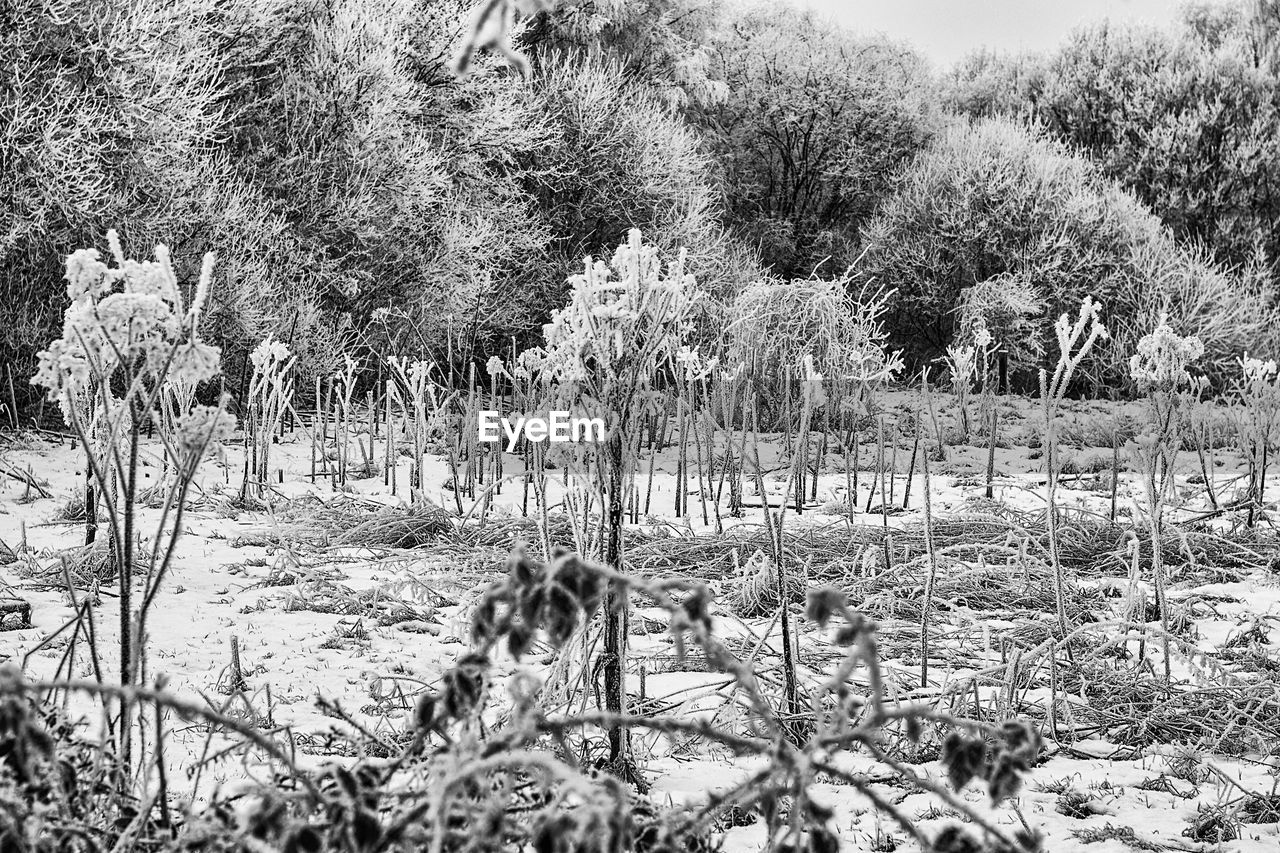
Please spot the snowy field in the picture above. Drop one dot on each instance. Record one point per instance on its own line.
(336, 632)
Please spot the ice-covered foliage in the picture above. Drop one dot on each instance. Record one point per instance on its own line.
(1163, 357)
(128, 319)
(774, 326)
(623, 315)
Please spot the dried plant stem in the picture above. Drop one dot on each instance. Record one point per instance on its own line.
(850, 497)
(878, 479)
(818, 462)
(911, 467)
(13, 398)
(390, 451)
(926, 488)
(1204, 436)
(759, 472)
(893, 465)
(1115, 471)
(697, 449)
(992, 438)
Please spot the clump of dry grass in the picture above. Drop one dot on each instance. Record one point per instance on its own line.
(1090, 546)
(88, 566)
(1004, 590)
(347, 521)
(411, 527)
(754, 590)
(376, 605)
(1260, 808)
(15, 613)
(1123, 834)
(73, 510)
(1229, 717)
(350, 522)
(1212, 825)
(504, 532)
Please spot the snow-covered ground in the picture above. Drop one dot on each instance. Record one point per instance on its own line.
(253, 576)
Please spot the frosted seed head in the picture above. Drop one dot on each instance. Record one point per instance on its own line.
(1163, 357)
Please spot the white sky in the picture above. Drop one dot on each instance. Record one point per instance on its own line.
(946, 30)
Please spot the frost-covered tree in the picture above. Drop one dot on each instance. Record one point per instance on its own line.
(1188, 118)
(809, 124)
(661, 45)
(618, 158)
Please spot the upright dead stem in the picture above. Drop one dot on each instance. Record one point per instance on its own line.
(1074, 343)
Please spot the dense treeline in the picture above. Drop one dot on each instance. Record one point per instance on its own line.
(359, 195)
(1188, 119)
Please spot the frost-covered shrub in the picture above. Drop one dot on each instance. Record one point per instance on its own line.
(1011, 311)
(993, 202)
(617, 158)
(353, 200)
(1229, 314)
(1186, 116)
(774, 326)
(990, 201)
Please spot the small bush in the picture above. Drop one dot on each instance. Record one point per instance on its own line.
(773, 327)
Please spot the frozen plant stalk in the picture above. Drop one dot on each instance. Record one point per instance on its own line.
(1075, 340)
(1258, 392)
(624, 322)
(270, 391)
(127, 339)
(962, 364)
(1160, 369)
